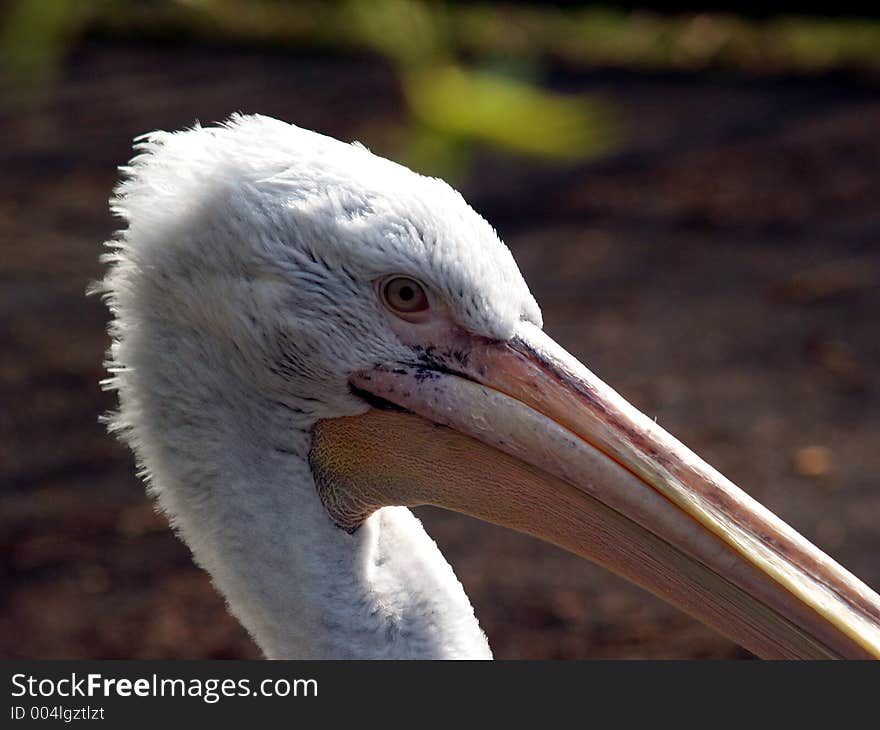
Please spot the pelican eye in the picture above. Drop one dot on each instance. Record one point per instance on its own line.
(404, 296)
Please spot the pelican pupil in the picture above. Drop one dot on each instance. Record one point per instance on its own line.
(406, 293)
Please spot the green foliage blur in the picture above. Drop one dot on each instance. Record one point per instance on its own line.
(470, 73)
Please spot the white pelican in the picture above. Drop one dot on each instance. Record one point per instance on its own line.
(308, 338)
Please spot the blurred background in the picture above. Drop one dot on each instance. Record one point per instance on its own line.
(692, 194)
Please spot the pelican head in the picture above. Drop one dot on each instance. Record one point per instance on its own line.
(308, 338)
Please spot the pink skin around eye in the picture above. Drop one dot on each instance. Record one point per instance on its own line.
(434, 329)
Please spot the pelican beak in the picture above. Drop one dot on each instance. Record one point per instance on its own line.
(521, 434)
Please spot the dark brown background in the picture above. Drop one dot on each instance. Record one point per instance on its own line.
(720, 269)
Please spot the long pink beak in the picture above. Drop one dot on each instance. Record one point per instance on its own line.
(533, 440)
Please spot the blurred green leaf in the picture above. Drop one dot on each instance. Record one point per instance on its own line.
(35, 36)
(497, 99)
(500, 111)
(406, 31)
(825, 44)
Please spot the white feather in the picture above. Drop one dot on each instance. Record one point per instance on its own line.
(242, 299)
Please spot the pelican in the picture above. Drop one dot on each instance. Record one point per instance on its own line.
(308, 339)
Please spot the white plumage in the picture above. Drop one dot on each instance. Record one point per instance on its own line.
(242, 300)
(250, 323)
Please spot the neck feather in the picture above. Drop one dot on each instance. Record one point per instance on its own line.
(231, 472)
